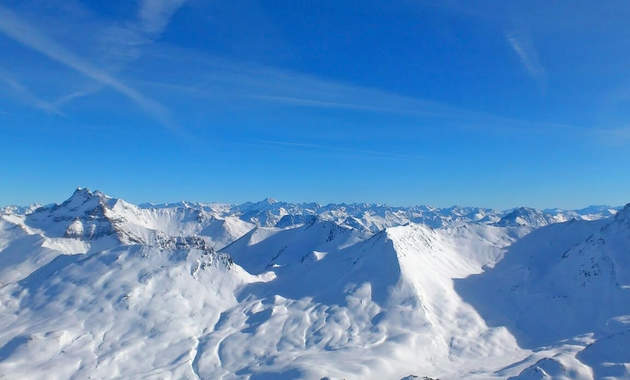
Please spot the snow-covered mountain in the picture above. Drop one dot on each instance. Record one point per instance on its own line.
(173, 218)
(567, 283)
(96, 287)
(93, 216)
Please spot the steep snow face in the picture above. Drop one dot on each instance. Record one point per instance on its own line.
(151, 224)
(98, 287)
(572, 266)
(20, 252)
(564, 284)
(265, 248)
(84, 214)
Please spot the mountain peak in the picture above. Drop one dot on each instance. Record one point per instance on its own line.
(83, 198)
(81, 192)
(523, 216)
(86, 192)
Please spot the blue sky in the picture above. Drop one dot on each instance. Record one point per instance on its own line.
(495, 104)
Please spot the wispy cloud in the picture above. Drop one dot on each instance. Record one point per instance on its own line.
(236, 83)
(328, 148)
(315, 103)
(505, 15)
(523, 47)
(12, 26)
(62, 100)
(219, 78)
(613, 136)
(26, 95)
(123, 44)
(283, 87)
(154, 15)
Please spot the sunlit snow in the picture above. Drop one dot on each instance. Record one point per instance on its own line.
(96, 287)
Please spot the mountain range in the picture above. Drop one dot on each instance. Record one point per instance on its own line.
(96, 287)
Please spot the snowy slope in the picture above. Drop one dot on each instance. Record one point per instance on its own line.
(382, 308)
(96, 287)
(129, 311)
(564, 285)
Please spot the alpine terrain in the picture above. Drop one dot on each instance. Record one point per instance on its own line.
(96, 287)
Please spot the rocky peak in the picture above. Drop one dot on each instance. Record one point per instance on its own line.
(523, 216)
(82, 202)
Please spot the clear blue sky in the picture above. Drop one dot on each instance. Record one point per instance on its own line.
(495, 104)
